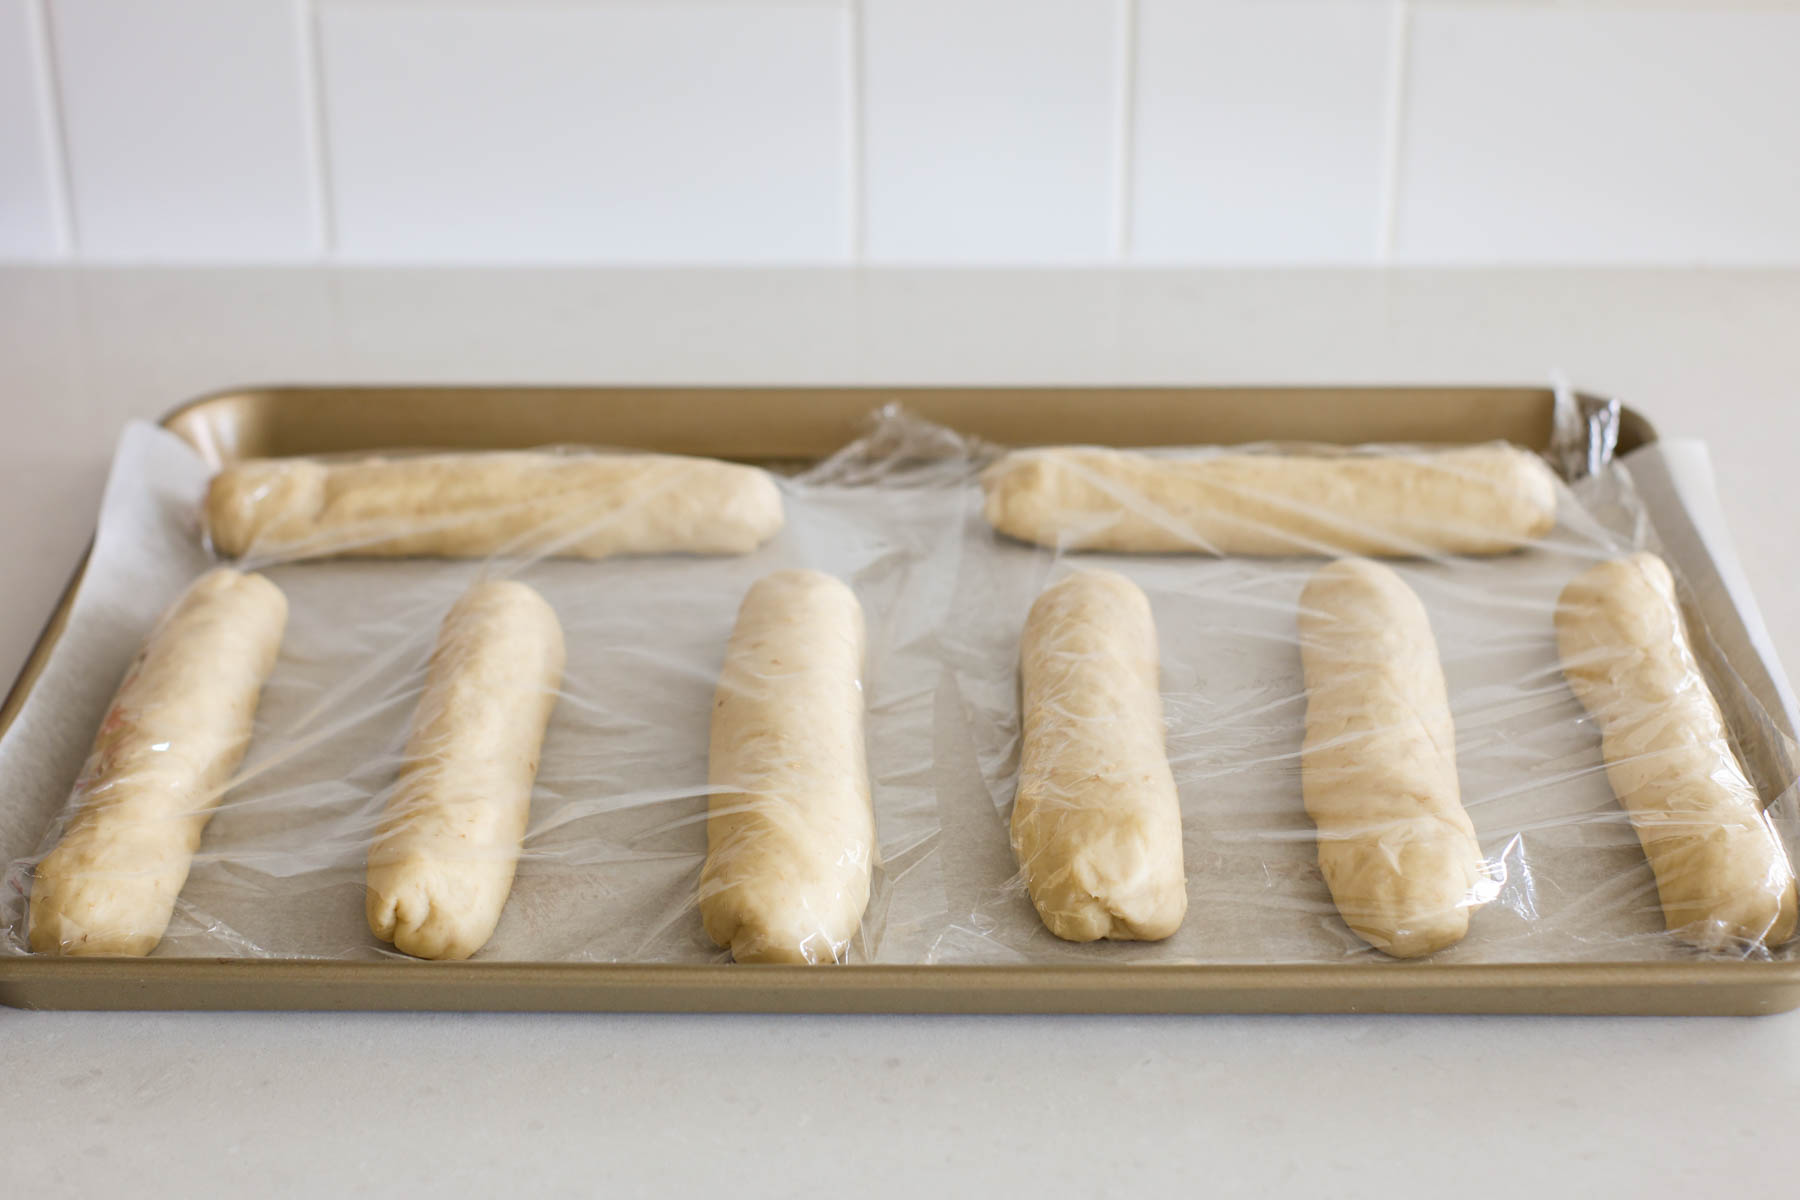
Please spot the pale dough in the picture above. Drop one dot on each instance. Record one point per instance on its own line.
(1720, 869)
(443, 860)
(1096, 824)
(1471, 500)
(1378, 766)
(473, 505)
(790, 830)
(176, 731)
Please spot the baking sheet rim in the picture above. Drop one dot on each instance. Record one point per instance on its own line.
(1676, 988)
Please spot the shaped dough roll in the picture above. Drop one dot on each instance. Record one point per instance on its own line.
(472, 505)
(790, 831)
(1472, 500)
(1096, 824)
(176, 731)
(1378, 767)
(1720, 869)
(442, 863)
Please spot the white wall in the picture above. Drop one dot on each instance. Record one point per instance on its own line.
(899, 131)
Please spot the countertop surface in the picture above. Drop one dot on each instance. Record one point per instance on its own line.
(182, 1104)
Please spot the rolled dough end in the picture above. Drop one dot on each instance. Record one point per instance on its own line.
(239, 500)
(1537, 485)
(1414, 936)
(761, 926)
(1089, 919)
(1111, 889)
(751, 944)
(82, 915)
(1411, 895)
(1761, 910)
(758, 511)
(425, 915)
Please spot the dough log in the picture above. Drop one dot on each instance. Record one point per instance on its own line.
(1720, 869)
(790, 831)
(472, 505)
(1096, 824)
(1471, 500)
(442, 863)
(1378, 766)
(176, 731)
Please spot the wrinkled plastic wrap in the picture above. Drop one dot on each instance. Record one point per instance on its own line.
(617, 831)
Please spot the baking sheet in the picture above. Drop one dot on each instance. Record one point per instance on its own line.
(617, 831)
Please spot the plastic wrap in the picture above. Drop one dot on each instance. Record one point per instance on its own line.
(612, 855)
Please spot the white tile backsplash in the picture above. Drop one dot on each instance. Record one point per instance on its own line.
(676, 132)
(29, 219)
(1259, 131)
(1013, 132)
(185, 129)
(1601, 135)
(989, 129)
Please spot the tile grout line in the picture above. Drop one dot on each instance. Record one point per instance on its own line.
(856, 218)
(312, 114)
(1124, 130)
(1393, 133)
(53, 129)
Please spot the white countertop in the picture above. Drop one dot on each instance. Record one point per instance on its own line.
(154, 1104)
